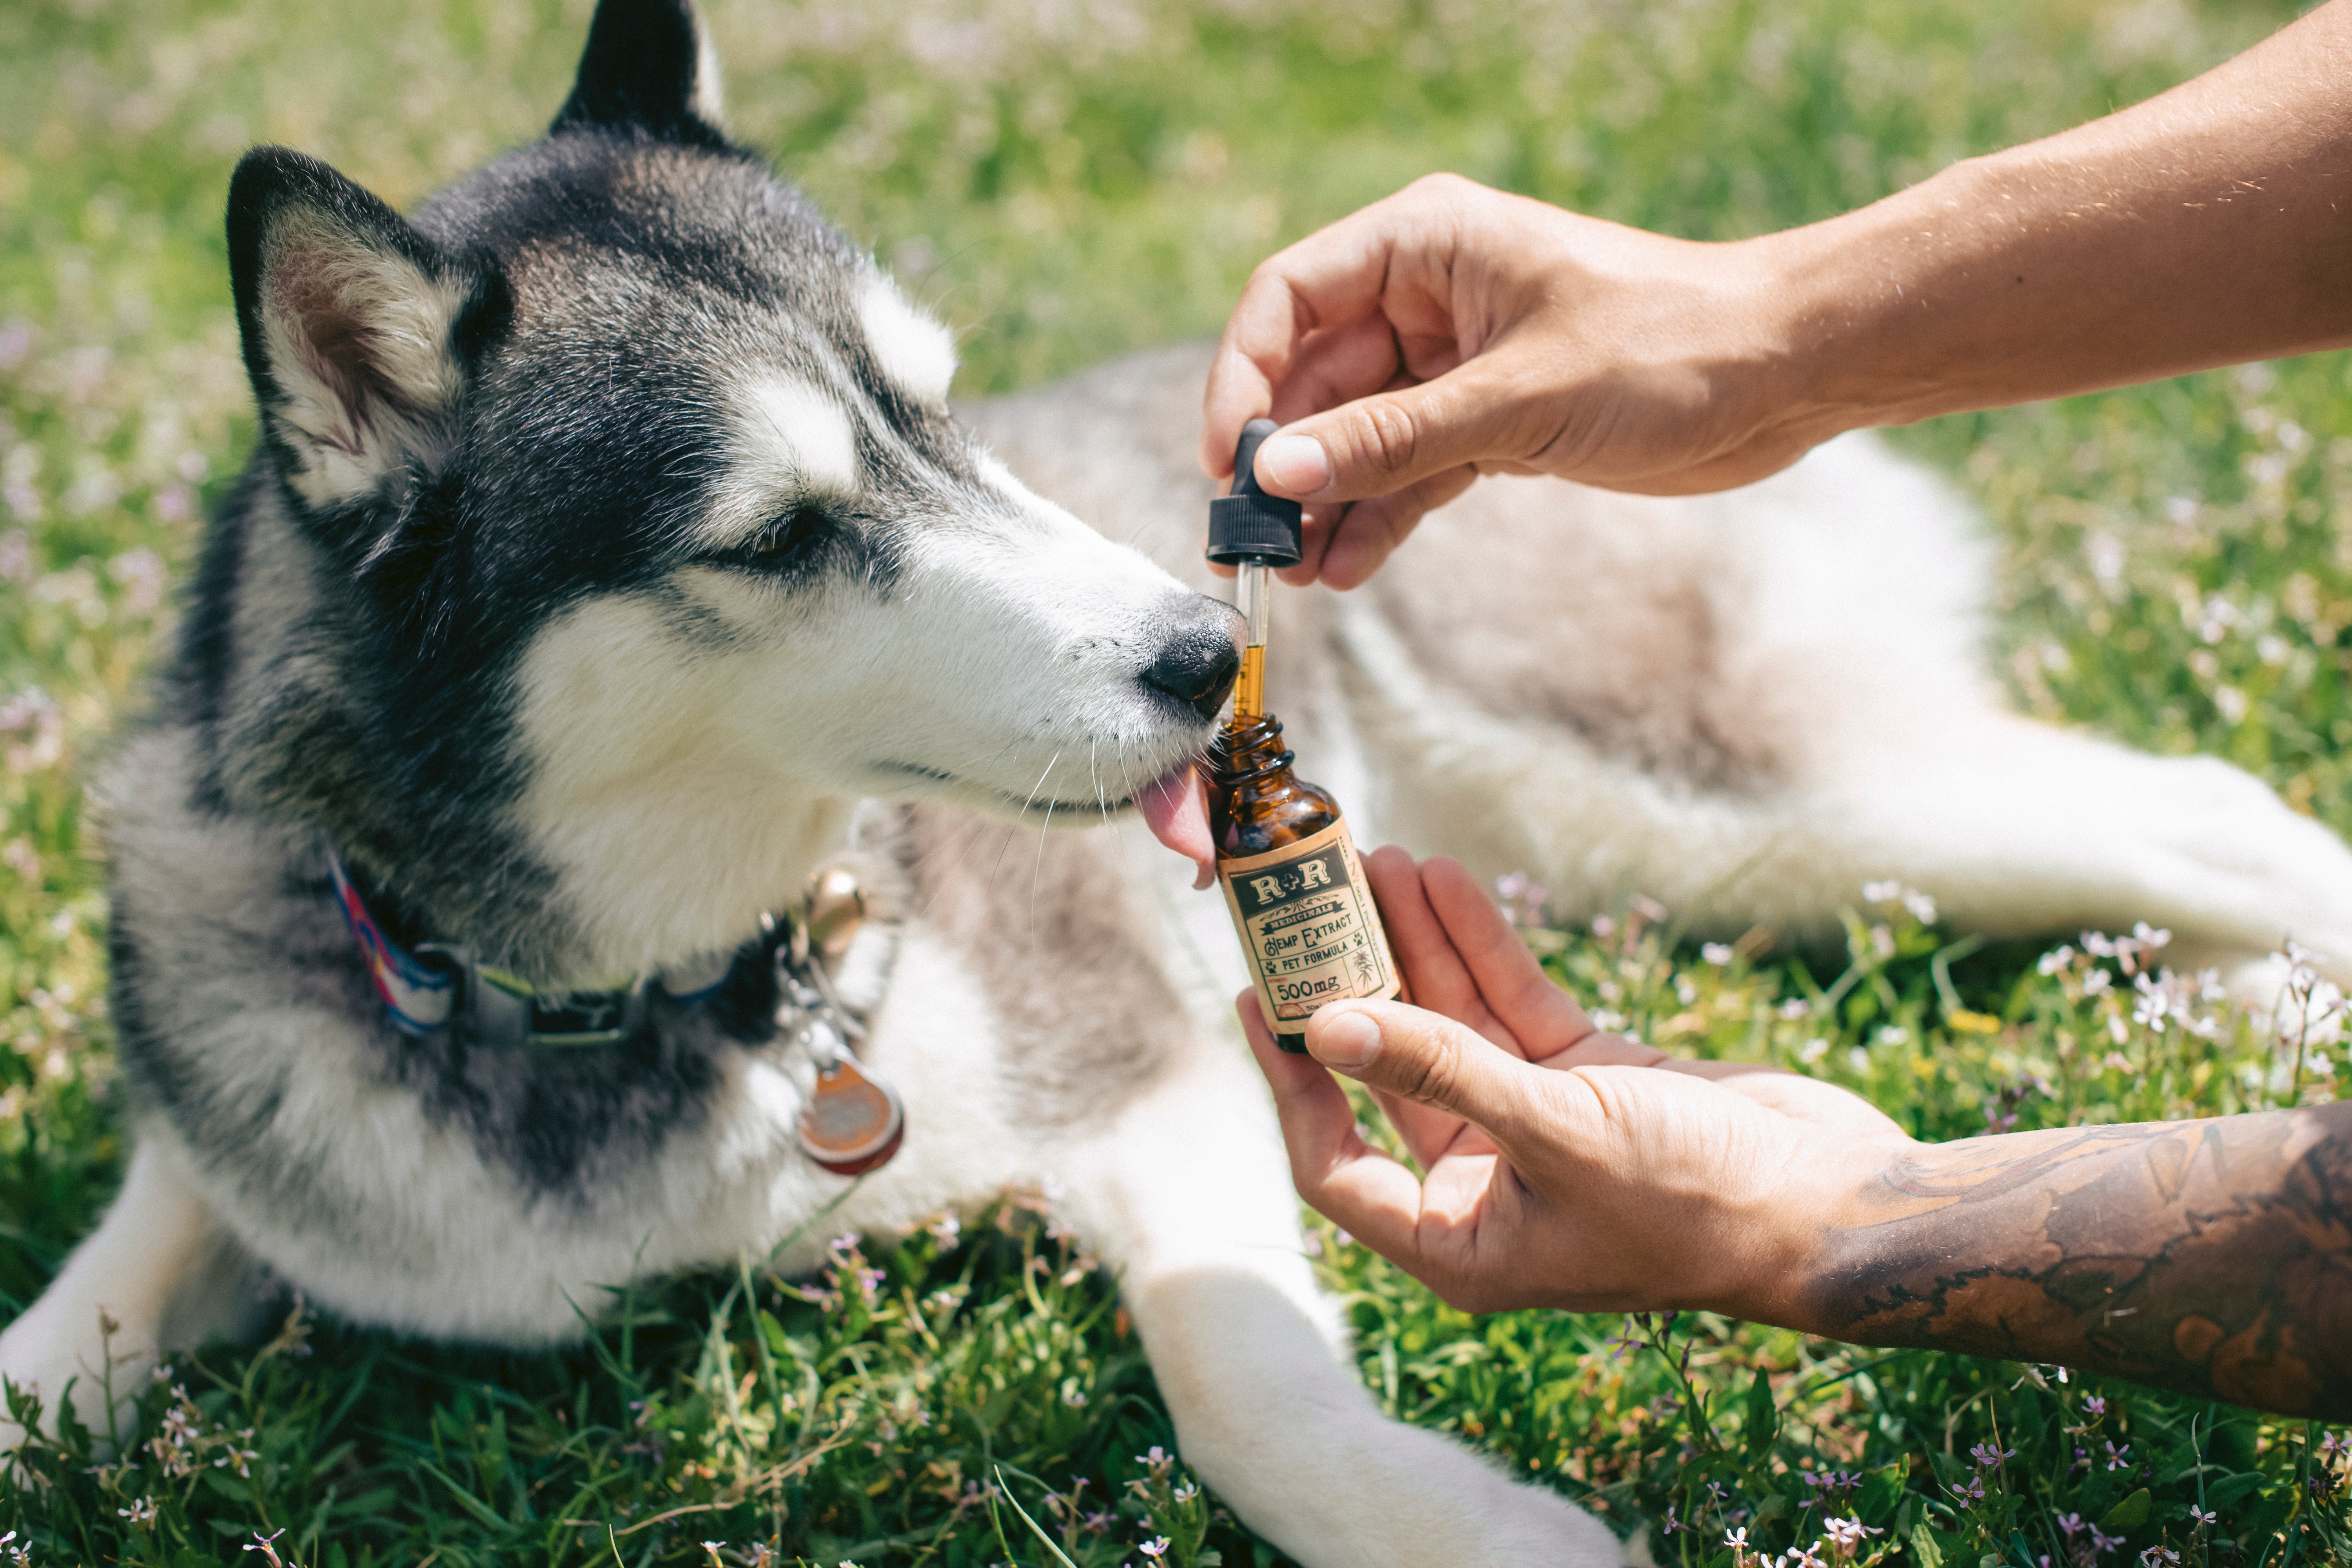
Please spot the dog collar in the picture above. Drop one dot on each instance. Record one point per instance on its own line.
(851, 1121)
(437, 984)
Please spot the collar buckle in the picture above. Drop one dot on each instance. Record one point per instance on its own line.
(502, 1009)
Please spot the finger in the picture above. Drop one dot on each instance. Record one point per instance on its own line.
(1797, 1097)
(1422, 961)
(1424, 949)
(1380, 443)
(1386, 522)
(1317, 1122)
(1368, 532)
(1336, 1172)
(1540, 1016)
(1599, 1050)
(1318, 523)
(1428, 1058)
(1331, 278)
(1336, 365)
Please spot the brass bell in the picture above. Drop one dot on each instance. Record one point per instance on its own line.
(835, 910)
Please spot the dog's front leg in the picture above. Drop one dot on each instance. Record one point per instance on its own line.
(159, 1273)
(1189, 1195)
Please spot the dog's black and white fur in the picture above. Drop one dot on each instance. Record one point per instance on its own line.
(611, 560)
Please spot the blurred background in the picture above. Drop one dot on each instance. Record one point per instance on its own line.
(1063, 179)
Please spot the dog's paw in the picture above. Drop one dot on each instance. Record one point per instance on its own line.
(97, 1369)
(1398, 1498)
(2031, 831)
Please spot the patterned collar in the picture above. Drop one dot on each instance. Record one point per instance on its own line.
(435, 986)
(851, 1119)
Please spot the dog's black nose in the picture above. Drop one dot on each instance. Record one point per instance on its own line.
(1197, 663)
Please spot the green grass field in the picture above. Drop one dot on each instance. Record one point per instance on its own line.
(1066, 179)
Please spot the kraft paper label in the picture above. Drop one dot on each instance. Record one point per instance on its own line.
(1307, 921)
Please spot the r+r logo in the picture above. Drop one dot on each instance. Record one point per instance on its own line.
(1315, 873)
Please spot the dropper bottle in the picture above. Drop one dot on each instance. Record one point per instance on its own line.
(1285, 860)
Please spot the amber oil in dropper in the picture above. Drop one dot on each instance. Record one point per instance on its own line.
(1286, 861)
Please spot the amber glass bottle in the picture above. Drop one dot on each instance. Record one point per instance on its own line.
(1288, 869)
(1292, 882)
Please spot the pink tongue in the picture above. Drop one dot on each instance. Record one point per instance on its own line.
(1175, 807)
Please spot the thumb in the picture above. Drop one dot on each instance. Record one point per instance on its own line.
(1390, 439)
(1424, 1058)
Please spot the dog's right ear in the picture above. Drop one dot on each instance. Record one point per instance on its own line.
(357, 329)
(648, 68)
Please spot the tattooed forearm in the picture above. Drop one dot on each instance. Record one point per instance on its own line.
(2213, 1257)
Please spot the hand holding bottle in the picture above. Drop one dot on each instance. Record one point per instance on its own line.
(1571, 1168)
(1565, 1167)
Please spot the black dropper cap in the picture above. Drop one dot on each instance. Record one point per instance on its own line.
(1249, 524)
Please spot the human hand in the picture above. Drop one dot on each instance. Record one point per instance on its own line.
(1564, 1167)
(1451, 330)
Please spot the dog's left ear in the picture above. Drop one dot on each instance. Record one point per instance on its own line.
(358, 330)
(648, 68)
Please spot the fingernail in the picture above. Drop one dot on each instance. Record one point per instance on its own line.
(1295, 463)
(1348, 1040)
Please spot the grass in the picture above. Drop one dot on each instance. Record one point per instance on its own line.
(1064, 181)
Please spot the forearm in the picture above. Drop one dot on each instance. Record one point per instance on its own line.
(2208, 226)
(2213, 1257)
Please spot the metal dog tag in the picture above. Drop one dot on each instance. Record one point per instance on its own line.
(853, 1121)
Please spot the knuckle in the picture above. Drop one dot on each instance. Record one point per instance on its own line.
(1432, 1076)
(1444, 185)
(1387, 436)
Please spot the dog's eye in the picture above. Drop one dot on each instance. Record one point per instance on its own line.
(787, 539)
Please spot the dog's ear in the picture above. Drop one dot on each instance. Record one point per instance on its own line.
(649, 68)
(358, 330)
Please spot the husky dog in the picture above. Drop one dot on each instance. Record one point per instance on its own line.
(611, 561)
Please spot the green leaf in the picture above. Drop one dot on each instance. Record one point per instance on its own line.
(1763, 1422)
(465, 1500)
(2131, 1511)
(1924, 1549)
(367, 1502)
(1882, 1489)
